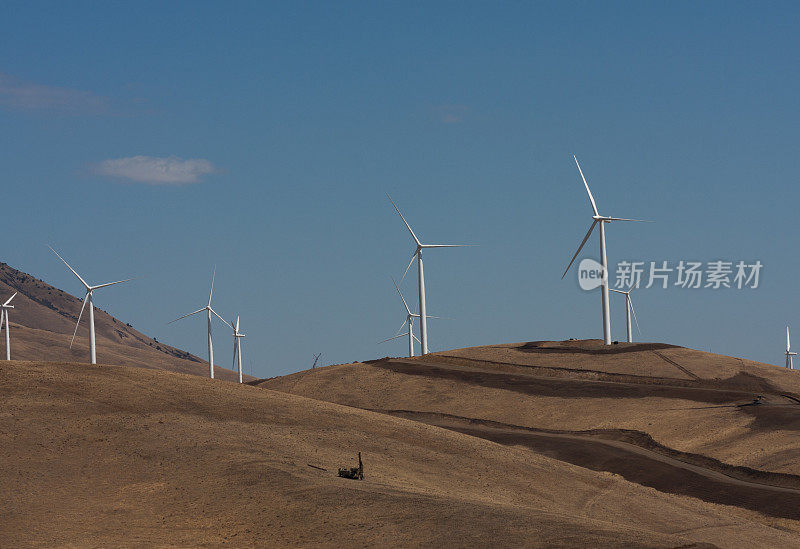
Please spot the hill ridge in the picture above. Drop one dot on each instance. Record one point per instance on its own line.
(43, 321)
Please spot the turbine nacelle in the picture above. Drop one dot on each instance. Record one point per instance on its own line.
(210, 311)
(237, 346)
(235, 327)
(419, 245)
(418, 256)
(86, 298)
(4, 318)
(6, 304)
(596, 218)
(629, 309)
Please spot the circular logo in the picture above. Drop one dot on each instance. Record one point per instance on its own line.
(591, 274)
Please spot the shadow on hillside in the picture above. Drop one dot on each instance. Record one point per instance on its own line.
(589, 347)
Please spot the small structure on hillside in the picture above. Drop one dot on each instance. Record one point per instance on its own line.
(355, 473)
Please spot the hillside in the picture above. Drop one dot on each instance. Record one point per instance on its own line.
(623, 409)
(43, 320)
(111, 455)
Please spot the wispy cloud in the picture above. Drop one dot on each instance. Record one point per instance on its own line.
(21, 95)
(451, 114)
(155, 171)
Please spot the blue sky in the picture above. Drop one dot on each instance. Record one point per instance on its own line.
(152, 140)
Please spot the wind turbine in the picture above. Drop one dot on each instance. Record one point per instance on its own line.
(4, 317)
(421, 278)
(316, 359)
(789, 353)
(88, 298)
(601, 220)
(208, 310)
(409, 320)
(237, 346)
(628, 310)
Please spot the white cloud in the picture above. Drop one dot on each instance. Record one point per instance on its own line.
(154, 170)
(20, 95)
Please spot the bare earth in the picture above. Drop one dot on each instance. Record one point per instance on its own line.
(118, 456)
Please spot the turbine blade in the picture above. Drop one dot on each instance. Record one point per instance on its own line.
(401, 296)
(402, 326)
(788, 343)
(391, 338)
(111, 283)
(585, 238)
(6, 304)
(70, 268)
(616, 291)
(591, 198)
(2, 317)
(404, 220)
(418, 341)
(447, 245)
(413, 256)
(184, 316)
(222, 319)
(630, 302)
(625, 219)
(213, 276)
(79, 320)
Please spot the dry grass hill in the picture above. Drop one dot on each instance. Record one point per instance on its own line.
(717, 428)
(109, 456)
(43, 321)
(532, 444)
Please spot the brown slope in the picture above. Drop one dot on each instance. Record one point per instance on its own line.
(110, 456)
(43, 315)
(636, 362)
(589, 388)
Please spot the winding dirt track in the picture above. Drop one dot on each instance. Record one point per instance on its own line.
(630, 461)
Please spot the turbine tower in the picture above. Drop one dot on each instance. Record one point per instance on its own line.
(421, 275)
(601, 220)
(4, 318)
(88, 298)
(628, 310)
(209, 311)
(789, 353)
(237, 347)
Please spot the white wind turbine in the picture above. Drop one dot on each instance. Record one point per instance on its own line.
(789, 353)
(421, 278)
(628, 310)
(409, 320)
(4, 318)
(601, 220)
(88, 298)
(237, 347)
(209, 311)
